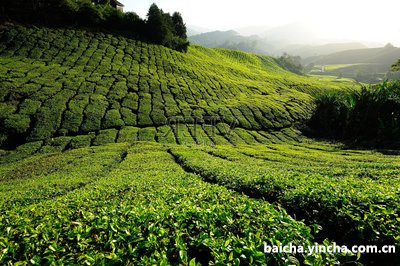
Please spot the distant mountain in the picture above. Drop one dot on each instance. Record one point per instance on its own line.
(191, 32)
(233, 40)
(195, 30)
(294, 33)
(371, 65)
(306, 51)
(272, 45)
(385, 55)
(253, 30)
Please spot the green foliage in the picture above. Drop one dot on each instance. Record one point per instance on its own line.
(105, 136)
(56, 145)
(113, 119)
(165, 134)
(119, 205)
(396, 66)
(147, 134)
(179, 25)
(85, 82)
(354, 202)
(29, 107)
(17, 123)
(81, 141)
(291, 63)
(128, 134)
(371, 114)
(164, 29)
(160, 28)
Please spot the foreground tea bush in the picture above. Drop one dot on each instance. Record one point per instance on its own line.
(144, 210)
(354, 196)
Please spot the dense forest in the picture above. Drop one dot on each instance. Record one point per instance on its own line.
(159, 27)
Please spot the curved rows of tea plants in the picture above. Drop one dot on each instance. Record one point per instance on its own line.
(219, 134)
(352, 195)
(122, 204)
(84, 181)
(64, 82)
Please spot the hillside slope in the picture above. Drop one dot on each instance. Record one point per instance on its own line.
(232, 40)
(141, 202)
(306, 51)
(62, 83)
(385, 56)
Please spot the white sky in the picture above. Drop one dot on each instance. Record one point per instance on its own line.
(366, 20)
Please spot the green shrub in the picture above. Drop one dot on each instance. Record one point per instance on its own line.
(129, 118)
(227, 132)
(165, 134)
(373, 114)
(58, 144)
(147, 134)
(17, 123)
(214, 134)
(45, 124)
(29, 107)
(181, 219)
(6, 109)
(81, 141)
(94, 113)
(73, 116)
(244, 135)
(128, 134)
(105, 136)
(144, 110)
(113, 119)
(183, 136)
(302, 179)
(199, 135)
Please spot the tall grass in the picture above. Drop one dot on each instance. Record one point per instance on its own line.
(371, 114)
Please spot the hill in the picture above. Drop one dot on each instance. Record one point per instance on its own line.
(370, 65)
(68, 95)
(386, 56)
(306, 51)
(61, 83)
(267, 45)
(233, 40)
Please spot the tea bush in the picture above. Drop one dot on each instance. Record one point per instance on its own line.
(117, 205)
(84, 81)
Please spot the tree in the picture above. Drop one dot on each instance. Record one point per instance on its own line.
(179, 26)
(389, 46)
(157, 29)
(89, 14)
(291, 63)
(396, 66)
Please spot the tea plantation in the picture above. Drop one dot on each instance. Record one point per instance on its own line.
(115, 151)
(68, 83)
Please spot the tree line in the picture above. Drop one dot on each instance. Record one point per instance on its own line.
(159, 27)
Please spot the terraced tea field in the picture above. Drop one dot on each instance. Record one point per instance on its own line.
(115, 151)
(67, 83)
(152, 203)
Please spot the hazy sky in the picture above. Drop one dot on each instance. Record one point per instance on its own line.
(367, 20)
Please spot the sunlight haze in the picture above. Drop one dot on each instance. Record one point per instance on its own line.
(341, 20)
